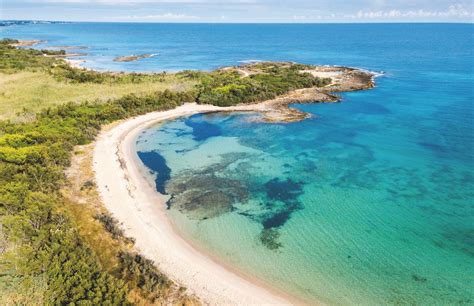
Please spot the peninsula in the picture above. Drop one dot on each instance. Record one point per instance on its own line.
(69, 171)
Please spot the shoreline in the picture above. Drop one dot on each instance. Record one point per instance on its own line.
(130, 198)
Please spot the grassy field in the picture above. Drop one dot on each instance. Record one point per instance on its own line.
(35, 90)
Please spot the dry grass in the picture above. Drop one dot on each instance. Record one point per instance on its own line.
(22, 291)
(33, 91)
(83, 204)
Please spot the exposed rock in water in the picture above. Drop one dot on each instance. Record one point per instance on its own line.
(69, 47)
(132, 58)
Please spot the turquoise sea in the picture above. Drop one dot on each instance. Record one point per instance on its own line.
(369, 202)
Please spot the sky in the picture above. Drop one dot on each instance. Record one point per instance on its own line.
(291, 11)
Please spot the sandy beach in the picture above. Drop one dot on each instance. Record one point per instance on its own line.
(28, 43)
(141, 210)
(135, 203)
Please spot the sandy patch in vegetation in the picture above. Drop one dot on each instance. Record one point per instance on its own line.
(27, 43)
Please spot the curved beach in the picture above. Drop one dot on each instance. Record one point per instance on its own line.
(366, 202)
(135, 203)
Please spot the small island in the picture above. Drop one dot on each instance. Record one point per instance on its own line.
(132, 58)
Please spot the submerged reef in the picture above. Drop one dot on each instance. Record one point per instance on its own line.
(269, 238)
(283, 201)
(204, 194)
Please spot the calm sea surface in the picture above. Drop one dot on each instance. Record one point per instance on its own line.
(368, 202)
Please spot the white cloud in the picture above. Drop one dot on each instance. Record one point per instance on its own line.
(300, 17)
(247, 10)
(453, 11)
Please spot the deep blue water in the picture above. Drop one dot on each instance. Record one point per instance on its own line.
(370, 201)
(157, 164)
(390, 47)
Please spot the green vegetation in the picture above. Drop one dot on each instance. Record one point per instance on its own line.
(141, 273)
(14, 59)
(45, 255)
(24, 93)
(265, 81)
(30, 82)
(39, 239)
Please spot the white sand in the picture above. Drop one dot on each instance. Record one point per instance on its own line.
(326, 72)
(75, 63)
(131, 199)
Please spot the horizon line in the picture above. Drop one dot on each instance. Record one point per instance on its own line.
(243, 22)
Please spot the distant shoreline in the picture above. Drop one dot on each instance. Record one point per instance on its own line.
(28, 43)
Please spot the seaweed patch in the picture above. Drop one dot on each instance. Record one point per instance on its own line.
(203, 194)
(276, 220)
(418, 278)
(282, 190)
(269, 238)
(284, 201)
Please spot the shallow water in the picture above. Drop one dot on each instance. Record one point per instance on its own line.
(355, 213)
(368, 202)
